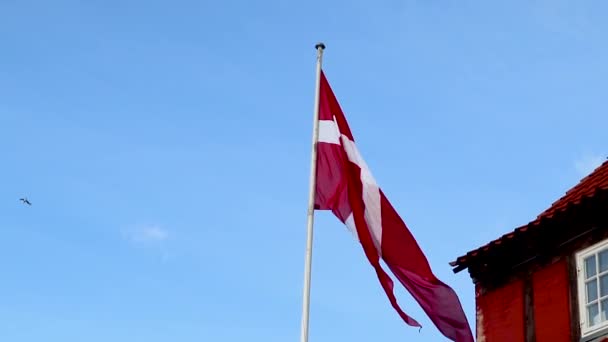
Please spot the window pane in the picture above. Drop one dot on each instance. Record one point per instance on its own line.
(591, 290)
(604, 310)
(604, 285)
(590, 266)
(603, 256)
(593, 316)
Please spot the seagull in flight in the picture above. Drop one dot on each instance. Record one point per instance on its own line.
(25, 201)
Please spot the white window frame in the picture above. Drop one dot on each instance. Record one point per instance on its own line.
(581, 288)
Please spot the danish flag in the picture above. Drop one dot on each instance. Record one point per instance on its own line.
(345, 185)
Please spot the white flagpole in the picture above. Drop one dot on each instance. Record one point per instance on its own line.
(311, 201)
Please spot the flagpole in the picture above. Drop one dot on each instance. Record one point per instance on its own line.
(311, 201)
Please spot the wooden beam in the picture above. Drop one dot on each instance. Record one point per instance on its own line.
(529, 325)
(575, 328)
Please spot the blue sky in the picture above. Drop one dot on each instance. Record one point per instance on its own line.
(165, 148)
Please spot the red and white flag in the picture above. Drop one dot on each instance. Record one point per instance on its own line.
(345, 185)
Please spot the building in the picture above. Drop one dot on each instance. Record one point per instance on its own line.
(547, 281)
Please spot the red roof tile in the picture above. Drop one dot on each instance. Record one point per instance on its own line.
(587, 187)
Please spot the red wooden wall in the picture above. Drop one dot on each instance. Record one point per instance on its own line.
(501, 311)
(500, 315)
(551, 303)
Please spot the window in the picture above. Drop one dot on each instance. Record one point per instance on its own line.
(592, 270)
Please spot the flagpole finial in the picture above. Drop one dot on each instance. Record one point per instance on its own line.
(320, 45)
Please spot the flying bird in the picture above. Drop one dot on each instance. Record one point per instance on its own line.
(25, 201)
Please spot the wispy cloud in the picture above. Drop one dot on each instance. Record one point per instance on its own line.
(151, 236)
(587, 163)
(146, 234)
(566, 17)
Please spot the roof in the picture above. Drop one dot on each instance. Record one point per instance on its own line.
(588, 187)
(597, 180)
